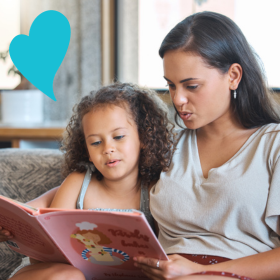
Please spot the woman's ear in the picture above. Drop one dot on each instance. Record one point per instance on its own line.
(235, 74)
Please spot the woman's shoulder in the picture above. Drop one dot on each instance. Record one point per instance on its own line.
(183, 136)
(272, 127)
(270, 132)
(179, 132)
(268, 141)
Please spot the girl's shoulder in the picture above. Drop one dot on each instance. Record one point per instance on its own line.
(75, 177)
(68, 192)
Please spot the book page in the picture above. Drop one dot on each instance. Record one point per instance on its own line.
(102, 244)
(26, 207)
(30, 238)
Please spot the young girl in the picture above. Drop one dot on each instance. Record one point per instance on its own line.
(116, 144)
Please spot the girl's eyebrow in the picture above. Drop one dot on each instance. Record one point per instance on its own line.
(110, 131)
(182, 81)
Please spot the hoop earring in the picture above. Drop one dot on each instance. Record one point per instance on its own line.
(234, 94)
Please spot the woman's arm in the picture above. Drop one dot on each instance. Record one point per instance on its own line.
(262, 266)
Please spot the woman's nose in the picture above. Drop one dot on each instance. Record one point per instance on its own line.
(179, 98)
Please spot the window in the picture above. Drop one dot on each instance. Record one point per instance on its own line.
(258, 19)
(9, 28)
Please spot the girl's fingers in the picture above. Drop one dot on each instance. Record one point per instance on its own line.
(5, 233)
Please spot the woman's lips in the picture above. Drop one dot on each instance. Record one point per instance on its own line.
(185, 116)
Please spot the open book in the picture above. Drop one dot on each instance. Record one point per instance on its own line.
(101, 244)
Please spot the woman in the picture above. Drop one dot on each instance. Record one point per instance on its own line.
(218, 205)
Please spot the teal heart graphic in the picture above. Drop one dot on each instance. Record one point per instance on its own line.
(39, 55)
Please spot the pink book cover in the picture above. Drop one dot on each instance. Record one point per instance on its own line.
(101, 244)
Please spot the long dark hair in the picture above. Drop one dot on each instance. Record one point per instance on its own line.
(220, 43)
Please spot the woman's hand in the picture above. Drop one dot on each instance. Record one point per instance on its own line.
(174, 267)
(5, 234)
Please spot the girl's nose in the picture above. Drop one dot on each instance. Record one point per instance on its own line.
(108, 148)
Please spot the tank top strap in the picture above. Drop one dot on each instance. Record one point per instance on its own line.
(145, 204)
(80, 201)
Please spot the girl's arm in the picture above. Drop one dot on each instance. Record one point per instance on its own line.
(67, 194)
(262, 266)
(44, 200)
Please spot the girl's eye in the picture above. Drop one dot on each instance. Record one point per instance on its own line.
(95, 143)
(119, 137)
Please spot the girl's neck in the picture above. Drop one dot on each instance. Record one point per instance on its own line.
(122, 188)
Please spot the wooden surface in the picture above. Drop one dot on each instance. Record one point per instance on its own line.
(15, 134)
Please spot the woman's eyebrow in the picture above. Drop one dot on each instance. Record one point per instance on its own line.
(182, 81)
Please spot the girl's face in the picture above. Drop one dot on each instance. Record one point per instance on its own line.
(200, 94)
(113, 142)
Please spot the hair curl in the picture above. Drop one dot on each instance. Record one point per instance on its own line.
(150, 115)
(220, 43)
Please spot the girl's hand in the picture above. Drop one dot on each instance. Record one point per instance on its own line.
(5, 234)
(174, 267)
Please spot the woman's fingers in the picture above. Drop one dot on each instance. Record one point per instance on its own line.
(175, 266)
(155, 269)
(153, 263)
(151, 267)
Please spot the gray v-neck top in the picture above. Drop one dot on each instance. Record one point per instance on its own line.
(144, 200)
(233, 213)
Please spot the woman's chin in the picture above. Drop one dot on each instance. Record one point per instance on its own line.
(191, 125)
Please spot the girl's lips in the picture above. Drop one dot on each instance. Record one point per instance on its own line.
(112, 162)
(185, 116)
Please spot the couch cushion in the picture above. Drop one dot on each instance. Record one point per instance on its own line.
(24, 175)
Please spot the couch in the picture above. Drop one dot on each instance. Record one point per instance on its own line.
(24, 175)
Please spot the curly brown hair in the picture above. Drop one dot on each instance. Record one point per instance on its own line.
(150, 115)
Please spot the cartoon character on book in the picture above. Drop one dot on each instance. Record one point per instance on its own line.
(94, 251)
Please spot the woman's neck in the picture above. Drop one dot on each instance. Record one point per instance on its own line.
(222, 128)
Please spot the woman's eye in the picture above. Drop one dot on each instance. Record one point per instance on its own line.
(192, 87)
(171, 86)
(95, 143)
(118, 137)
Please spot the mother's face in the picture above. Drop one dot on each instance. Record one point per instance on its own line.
(200, 94)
